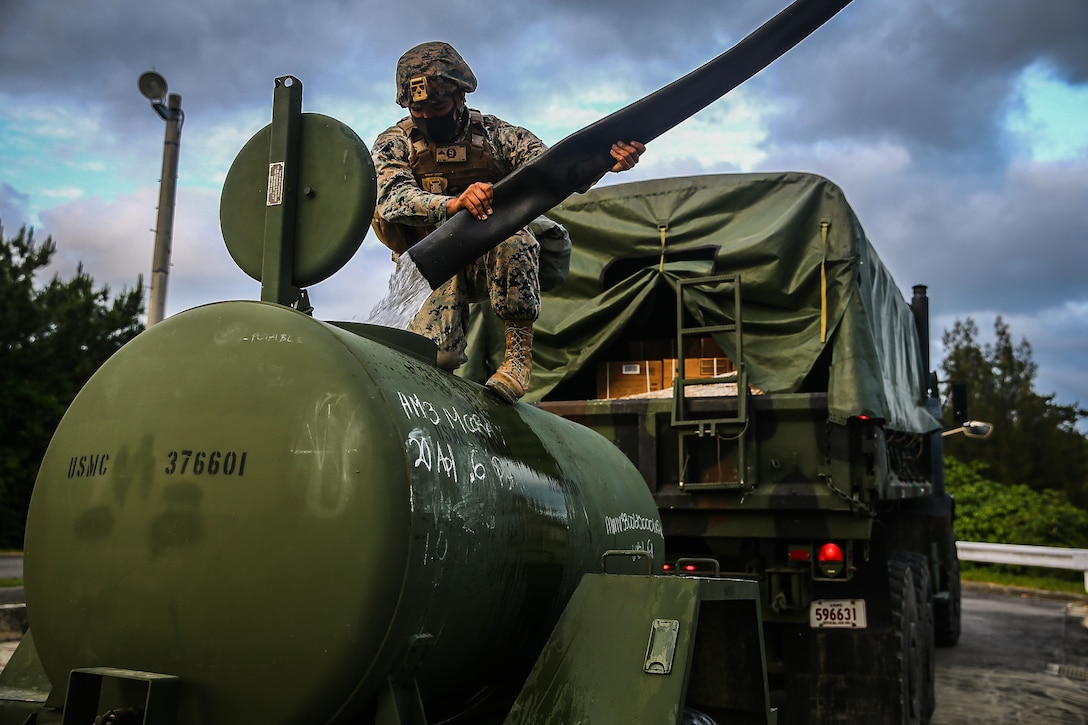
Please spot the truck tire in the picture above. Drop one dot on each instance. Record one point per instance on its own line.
(919, 566)
(692, 716)
(906, 622)
(947, 611)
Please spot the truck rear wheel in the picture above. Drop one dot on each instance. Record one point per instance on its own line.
(947, 610)
(919, 567)
(907, 624)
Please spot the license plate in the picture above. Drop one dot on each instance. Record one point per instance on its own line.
(837, 613)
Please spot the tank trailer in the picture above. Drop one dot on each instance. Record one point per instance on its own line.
(249, 515)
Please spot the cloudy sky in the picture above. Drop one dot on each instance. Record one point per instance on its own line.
(958, 129)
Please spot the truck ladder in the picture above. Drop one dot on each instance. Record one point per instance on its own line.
(692, 425)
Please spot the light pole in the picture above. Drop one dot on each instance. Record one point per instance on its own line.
(153, 87)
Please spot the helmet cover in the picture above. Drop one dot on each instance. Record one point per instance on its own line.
(432, 71)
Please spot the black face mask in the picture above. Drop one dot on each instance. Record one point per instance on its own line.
(442, 129)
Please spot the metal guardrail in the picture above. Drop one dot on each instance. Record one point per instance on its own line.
(1046, 556)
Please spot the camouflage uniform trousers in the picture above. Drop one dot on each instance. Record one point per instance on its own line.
(508, 276)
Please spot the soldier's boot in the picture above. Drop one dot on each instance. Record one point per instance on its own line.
(511, 380)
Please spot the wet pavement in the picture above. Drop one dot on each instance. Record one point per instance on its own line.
(1022, 659)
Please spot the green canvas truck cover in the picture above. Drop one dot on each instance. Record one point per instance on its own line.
(811, 285)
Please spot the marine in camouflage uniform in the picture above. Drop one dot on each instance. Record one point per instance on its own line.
(442, 159)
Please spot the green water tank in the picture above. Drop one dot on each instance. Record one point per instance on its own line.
(285, 515)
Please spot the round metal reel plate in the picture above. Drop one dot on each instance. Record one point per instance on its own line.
(335, 199)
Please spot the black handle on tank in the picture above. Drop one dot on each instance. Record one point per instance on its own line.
(580, 159)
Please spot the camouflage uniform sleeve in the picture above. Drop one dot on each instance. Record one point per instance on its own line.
(400, 199)
(514, 146)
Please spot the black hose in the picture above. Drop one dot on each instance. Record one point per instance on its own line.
(581, 158)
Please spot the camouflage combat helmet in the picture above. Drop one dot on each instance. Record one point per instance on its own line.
(430, 71)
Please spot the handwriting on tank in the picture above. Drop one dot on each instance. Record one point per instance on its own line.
(435, 456)
(416, 408)
(631, 522)
(280, 337)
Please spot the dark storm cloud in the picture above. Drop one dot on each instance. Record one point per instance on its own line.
(225, 54)
(939, 76)
(1012, 243)
(221, 57)
(1018, 247)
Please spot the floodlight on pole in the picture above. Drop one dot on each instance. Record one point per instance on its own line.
(153, 87)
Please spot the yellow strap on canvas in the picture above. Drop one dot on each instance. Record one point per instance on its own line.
(663, 228)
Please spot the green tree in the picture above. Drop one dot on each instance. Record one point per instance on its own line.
(52, 338)
(1035, 440)
(1011, 514)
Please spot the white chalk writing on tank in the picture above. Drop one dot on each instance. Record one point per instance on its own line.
(415, 408)
(631, 522)
(271, 337)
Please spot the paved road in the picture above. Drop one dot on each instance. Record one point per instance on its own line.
(1021, 660)
(11, 566)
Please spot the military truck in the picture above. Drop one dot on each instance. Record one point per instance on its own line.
(739, 339)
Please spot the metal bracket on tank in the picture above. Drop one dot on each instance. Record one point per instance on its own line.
(279, 225)
(704, 566)
(627, 553)
(399, 703)
(95, 691)
(298, 199)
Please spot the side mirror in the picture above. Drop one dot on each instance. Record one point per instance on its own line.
(972, 429)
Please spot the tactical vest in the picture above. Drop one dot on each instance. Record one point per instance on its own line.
(446, 169)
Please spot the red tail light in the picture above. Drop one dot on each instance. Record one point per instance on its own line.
(830, 552)
(830, 559)
(800, 553)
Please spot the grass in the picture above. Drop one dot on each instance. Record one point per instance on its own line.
(1045, 579)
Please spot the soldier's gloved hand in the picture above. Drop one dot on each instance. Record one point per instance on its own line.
(476, 199)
